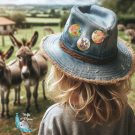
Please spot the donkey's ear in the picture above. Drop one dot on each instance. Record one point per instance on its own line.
(14, 41)
(33, 40)
(9, 53)
(1, 54)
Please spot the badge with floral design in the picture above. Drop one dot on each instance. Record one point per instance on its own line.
(83, 44)
(75, 30)
(98, 36)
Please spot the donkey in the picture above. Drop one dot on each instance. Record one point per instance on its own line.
(33, 67)
(10, 77)
(48, 30)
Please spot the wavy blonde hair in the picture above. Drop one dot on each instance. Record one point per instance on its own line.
(93, 103)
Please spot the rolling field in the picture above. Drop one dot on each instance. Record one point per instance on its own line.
(7, 127)
(42, 20)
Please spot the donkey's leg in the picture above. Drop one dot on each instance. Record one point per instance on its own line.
(18, 96)
(7, 103)
(2, 103)
(15, 99)
(43, 88)
(35, 95)
(28, 94)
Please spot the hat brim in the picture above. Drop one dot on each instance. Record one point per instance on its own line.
(116, 70)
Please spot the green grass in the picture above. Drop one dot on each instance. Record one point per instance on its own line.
(7, 127)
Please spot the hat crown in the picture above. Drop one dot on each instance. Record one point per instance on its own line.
(91, 32)
(88, 49)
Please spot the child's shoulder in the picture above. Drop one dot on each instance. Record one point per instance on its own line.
(130, 112)
(55, 110)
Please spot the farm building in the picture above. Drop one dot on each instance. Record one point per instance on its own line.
(6, 26)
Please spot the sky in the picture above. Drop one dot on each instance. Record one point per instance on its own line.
(47, 2)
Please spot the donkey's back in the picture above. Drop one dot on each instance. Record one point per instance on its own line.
(41, 63)
(15, 73)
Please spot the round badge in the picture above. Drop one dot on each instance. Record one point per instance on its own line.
(83, 44)
(75, 30)
(98, 36)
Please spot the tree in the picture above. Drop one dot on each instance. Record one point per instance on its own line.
(19, 18)
(131, 10)
(52, 13)
(33, 14)
(124, 5)
(63, 20)
(120, 6)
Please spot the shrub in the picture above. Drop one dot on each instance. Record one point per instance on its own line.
(126, 19)
(63, 20)
(19, 18)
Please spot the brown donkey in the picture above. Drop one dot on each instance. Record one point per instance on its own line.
(10, 77)
(33, 67)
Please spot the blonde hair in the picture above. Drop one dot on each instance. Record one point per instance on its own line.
(93, 103)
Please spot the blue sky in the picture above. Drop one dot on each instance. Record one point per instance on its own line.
(46, 1)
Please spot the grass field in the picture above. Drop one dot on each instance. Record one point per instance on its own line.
(7, 127)
(42, 20)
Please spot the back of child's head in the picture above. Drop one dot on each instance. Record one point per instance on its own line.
(92, 66)
(91, 102)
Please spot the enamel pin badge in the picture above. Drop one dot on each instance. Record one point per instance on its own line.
(98, 36)
(83, 44)
(75, 30)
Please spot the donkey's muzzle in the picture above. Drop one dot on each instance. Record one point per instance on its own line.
(25, 75)
(25, 72)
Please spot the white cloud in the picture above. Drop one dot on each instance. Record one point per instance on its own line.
(46, 1)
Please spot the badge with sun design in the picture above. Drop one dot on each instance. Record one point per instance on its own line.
(74, 30)
(98, 36)
(83, 44)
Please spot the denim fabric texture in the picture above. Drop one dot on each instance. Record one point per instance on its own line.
(118, 57)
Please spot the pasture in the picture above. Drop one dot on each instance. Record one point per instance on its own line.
(7, 127)
(42, 20)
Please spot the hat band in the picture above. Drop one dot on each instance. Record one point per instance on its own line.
(86, 59)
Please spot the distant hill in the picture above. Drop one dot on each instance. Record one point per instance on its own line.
(37, 7)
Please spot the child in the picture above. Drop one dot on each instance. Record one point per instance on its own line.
(91, 73)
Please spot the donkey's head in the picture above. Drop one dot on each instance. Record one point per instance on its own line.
(4, 56)
(25, 53)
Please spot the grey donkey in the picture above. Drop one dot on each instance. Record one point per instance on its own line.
(10, 77)
(33, 67)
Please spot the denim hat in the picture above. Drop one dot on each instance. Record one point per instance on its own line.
(89, 49)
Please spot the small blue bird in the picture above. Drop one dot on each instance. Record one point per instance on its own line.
(23, 125)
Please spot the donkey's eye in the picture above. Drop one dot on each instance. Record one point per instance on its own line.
(20, 58)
